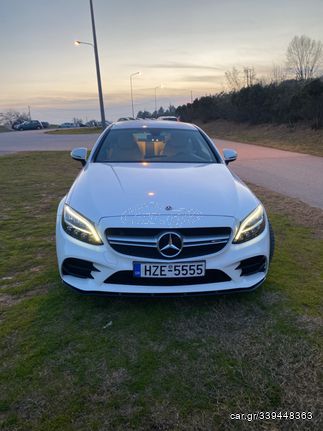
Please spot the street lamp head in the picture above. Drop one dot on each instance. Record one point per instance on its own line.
(135, 74)
(160, 86)
(79, 42)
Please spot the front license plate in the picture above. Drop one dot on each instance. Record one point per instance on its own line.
(168, 270)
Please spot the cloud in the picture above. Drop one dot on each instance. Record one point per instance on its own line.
(201, 78)
(177, 65)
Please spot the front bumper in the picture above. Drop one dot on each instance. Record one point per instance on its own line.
(165, 294)
(107, 262)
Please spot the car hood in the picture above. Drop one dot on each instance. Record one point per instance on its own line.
(105, 190)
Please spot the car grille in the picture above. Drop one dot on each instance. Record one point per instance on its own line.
(142, 242)
(127, 277)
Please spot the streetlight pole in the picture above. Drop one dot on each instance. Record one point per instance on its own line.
(97, 63)
(156, 101)
(131, 92)
(156, 88)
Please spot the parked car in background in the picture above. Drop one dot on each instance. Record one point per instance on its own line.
(45, 124)
(95, 123)
(168, 118)
(107, 123)
(16, 124)
(30, 125)
(66, 126)
(91, 123)
(126, 118)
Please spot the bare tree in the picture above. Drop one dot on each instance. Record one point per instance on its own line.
(278, 74)
(77, 121)
(234, 80)
(237, 79)
(304, 56)
(250, 76)
(11, 116)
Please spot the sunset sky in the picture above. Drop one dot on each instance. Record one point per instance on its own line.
(185, 44)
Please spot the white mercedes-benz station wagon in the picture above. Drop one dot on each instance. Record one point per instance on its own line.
(156, 211)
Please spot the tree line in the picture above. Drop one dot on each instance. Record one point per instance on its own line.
(290, 101)
(290, 95)
(170, 111)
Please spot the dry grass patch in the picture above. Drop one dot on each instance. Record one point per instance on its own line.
(299, 138)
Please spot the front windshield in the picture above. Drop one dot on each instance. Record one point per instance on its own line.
(155, 145)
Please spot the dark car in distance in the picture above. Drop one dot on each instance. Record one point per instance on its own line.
(30, 125)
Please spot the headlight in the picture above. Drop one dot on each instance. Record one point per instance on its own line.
(79, 227)
(252, 226)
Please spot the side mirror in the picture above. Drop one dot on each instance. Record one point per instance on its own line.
(229, 155)
(79, 154)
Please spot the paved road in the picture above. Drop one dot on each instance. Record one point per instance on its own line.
(293, 174)
(37, 140)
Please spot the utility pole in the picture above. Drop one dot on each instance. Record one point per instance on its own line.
(156, 88)
(97, 64)
(156, 101)
(131, 91)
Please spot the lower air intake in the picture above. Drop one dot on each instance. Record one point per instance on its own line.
(78, 268)
(253, 265)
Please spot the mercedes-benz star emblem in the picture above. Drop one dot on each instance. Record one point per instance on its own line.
(170, 244)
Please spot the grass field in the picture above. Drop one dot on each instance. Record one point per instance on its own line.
(78, 131)
(4, 129)
(300, 139)
(69, 362)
